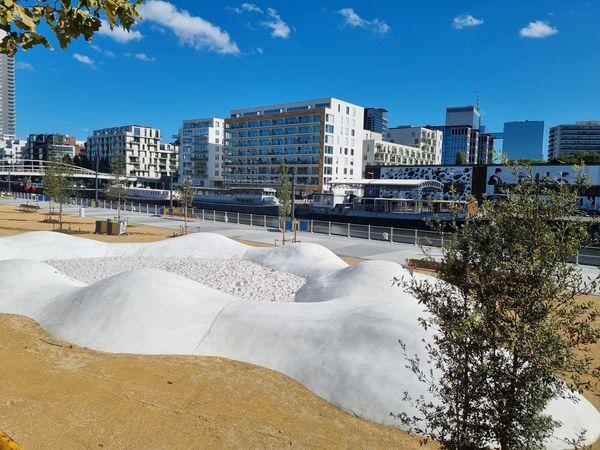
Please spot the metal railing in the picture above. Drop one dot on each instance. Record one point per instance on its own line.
(394, 235)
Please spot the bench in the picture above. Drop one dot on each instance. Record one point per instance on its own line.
(29, 207)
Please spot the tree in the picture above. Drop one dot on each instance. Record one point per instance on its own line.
(58, 183)
(511, 330)
(67, 19)
(284, 195)
(460, 159)
(186, 198)
(115, 189)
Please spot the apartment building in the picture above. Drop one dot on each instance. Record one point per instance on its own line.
(140, 148)
(43, 146)
(12, 149)
(201, 143)
(583, 136)
(320, 139)
(377, 152)
(427, 140)
(7, 95)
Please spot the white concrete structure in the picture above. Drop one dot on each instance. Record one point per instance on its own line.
(201, 143)
(338, 338)
(140, 147)
(376, 151)
(320, 139)
(429, 141)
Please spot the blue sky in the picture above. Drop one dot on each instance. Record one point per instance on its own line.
(535, 60)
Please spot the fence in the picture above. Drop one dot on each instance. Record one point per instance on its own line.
(587, 256)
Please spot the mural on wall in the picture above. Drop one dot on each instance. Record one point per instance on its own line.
(460, 177)
(498, 177)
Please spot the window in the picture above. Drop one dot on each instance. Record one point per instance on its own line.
(347, 110)
(329, 128)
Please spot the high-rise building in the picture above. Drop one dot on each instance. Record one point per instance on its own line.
(460, 138)
(7, 96)
(463, 115)
(485, 149)
(523, 140)
(321, 140)
(140, 148)
(427, 140)
(583, 136)
(376, 120)
(201, 144)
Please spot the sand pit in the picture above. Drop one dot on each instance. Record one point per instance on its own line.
(240, 278)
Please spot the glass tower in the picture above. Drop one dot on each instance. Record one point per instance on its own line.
(523, 140)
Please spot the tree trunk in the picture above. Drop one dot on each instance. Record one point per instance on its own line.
(60, 210)
(185, 220)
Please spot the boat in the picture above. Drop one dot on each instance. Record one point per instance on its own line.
(248, 200)
(148, 194)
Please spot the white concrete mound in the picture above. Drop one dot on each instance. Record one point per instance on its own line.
(339, 339)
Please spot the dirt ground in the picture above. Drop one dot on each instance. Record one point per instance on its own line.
(55, 395)
(13, 221)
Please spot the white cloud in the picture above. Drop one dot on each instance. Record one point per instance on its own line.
(538, 30)
(246, 7)
(20, 65)
(278, 27)
(121, 35)
(84, 59)
(191, 30)
(465, 20)
(141, 57)
(354, 20)
(99, 49)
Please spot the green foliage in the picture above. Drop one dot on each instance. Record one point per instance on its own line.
(67, 19)
(460, 159)
(511, 331)
(581, 158)
(58, 182)
(284, 191)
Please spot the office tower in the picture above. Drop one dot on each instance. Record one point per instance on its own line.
(460, 138)
(201, 144)
(463, 115)
(321, 140)
(523, 140)
(583, 136)
(376, 120)
(140, 148)
(428, 140)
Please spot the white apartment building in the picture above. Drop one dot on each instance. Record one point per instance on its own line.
(378, 152)
(140, 147)
(201, 143)
(320, 139)
(427, 140)
(12, 149)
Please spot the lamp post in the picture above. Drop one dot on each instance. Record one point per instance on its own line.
(96, 179)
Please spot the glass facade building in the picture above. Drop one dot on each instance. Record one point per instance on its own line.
(457, 139)
(463, 115)
(523, 140)
(376, 120)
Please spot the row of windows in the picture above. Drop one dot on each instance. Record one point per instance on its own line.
(276, 131)
(273, 122)
(275, 160)
(273, 151)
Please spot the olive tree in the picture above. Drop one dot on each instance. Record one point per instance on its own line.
(186, 194)
(20, 20)
(510, 323)
(115, 189)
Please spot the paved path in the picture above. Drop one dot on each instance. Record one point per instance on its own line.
(340, 245)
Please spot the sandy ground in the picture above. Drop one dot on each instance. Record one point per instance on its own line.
(14, 222)
(55, 395)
